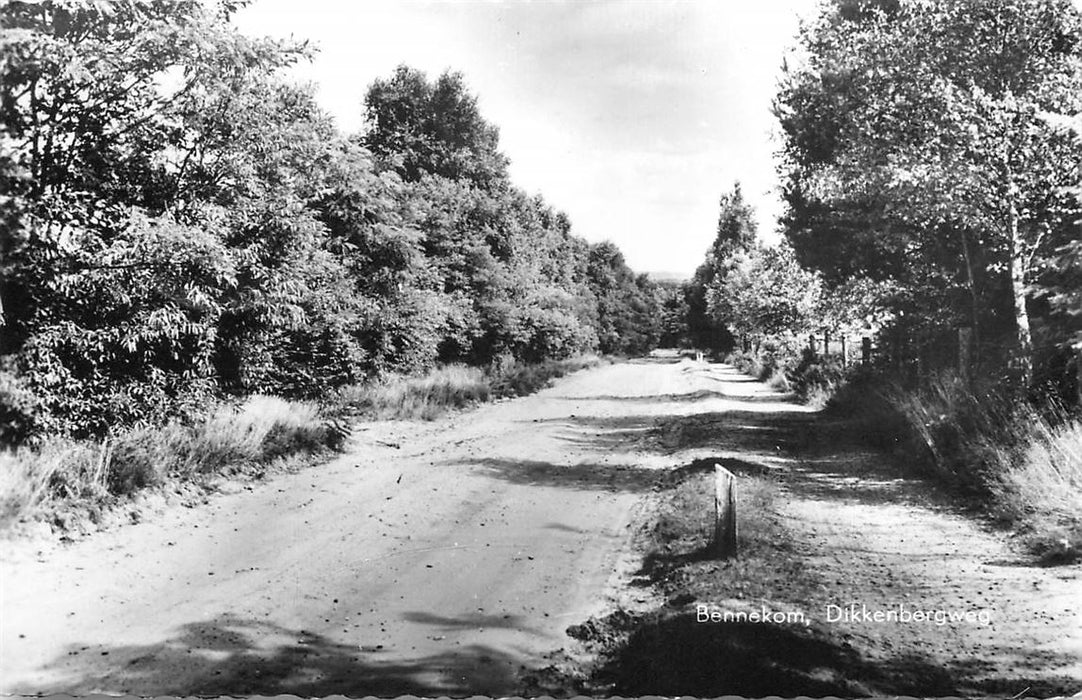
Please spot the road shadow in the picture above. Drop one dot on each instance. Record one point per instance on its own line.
(673, 653)
(231, 655)
(581, 477)
(667, 434)
(689, 397)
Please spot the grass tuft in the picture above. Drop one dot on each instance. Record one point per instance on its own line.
(1021, 462)
(452, 387)
(64, 475)
(426, 397)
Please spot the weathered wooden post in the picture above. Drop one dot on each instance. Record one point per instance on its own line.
(811, 343)
(826, 342)
(865, 350)
(845, 353)
(724, 512)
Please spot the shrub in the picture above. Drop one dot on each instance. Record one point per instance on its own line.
(817, 378)
(19, 410)
(515, 379)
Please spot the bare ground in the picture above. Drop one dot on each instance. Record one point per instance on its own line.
(451, 557)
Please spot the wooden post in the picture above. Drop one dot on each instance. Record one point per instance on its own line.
(811, 343)
(865, 350)
(826, 343)
(845, 355)
(724, 512)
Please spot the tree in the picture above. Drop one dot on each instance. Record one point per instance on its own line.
(765, 293)
(927, 122)
(421, 127)
(736, 232)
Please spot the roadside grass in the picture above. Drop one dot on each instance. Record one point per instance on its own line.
(60, 477)
(425, 397)
(678, 558)
(814, 379)
(451, 387)
(62, 481)
(671, 651)
(520, 379)
(1018, 462)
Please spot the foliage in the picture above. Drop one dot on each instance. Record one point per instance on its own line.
(764, 292)
(736, 232)
(180, 224)
(922, 149)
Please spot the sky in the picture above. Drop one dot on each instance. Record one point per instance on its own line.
(632, 116)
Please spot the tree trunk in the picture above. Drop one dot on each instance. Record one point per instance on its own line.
(974, 308)
(1022, 361)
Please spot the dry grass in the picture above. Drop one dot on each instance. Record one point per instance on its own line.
(61, 474)
(1008, 455)
(451, 387)
(426, 397)
(518, 379)
(779, 381)
(1042, 489)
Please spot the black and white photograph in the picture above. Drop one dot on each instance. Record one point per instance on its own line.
(541, 348)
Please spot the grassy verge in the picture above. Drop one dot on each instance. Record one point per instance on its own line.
(814, 379)
(454, 386)
(60, 479)
(669, 650)
(66, 483)
(1020, 464)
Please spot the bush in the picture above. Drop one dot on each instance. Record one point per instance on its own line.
(817, 378)
(515, 379)
(19, 410)
(779, 381)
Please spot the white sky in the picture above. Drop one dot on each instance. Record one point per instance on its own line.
(632, 116)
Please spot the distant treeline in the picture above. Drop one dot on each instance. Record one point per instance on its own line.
(179, 222)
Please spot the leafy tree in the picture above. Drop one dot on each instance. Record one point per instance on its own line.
(628, 313)
(421, 127)
(766, 293)
(918, 135)
(736, 232)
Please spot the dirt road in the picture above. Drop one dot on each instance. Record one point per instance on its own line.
(432, 558)
(447, 557)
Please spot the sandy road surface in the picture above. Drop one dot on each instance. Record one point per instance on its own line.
(432, 558)
(442, 558)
